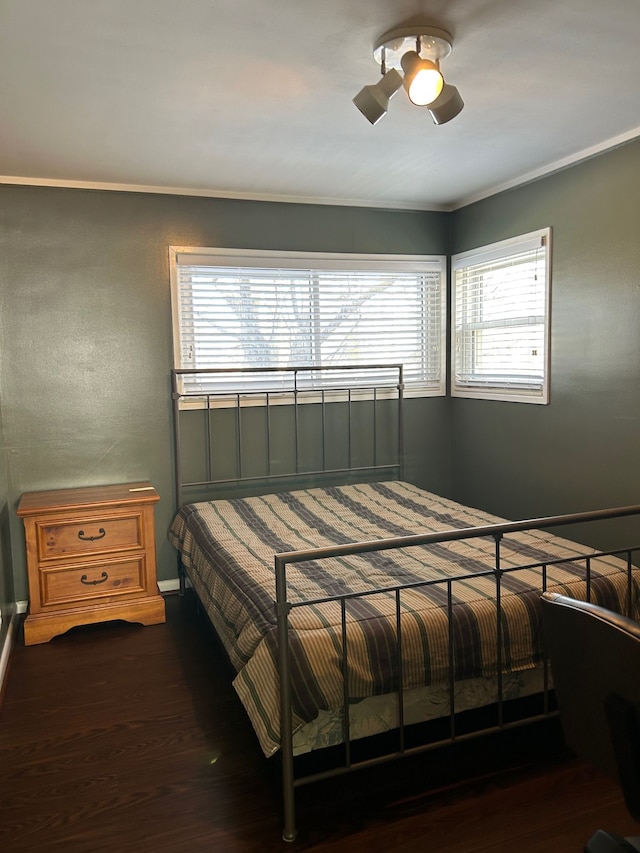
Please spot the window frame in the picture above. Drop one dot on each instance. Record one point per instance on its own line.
(214, 256)
(510, 390)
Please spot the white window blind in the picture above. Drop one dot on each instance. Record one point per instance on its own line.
(500, 340)
(255, 309)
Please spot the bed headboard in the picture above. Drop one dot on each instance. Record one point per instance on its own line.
(250, 430)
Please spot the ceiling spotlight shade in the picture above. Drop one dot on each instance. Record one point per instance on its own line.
(422, 79)
(447, 105)
(373, 101)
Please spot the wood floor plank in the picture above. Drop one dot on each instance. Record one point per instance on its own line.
(122, 738)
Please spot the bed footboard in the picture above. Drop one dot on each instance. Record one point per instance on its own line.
(619, 590)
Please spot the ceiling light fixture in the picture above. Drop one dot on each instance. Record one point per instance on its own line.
(417, 52)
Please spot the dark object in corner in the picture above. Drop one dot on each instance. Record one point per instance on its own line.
(595, 660)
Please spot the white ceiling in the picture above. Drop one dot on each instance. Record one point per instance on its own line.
(252, 98)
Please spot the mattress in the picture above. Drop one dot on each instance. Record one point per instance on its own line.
(227, 549)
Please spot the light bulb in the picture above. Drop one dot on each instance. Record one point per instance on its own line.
(422, 79)
(425, 86)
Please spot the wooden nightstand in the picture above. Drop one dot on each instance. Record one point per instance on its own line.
(91, 557)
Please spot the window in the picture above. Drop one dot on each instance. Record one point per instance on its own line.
(268, 309)
(500, 319)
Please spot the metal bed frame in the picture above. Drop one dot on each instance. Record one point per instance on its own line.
(296, 394)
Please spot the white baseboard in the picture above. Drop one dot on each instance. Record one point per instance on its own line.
(21, 606)
(171, 586)
(5, 652)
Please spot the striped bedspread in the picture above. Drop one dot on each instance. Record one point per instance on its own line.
(227, 548)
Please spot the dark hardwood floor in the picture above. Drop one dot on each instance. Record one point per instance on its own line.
(123, 738)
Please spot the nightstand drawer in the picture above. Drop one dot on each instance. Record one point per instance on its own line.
(91, 536)
(68, 584)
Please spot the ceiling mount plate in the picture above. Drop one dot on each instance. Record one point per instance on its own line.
(435, 44)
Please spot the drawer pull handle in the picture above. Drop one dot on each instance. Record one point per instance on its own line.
(103, 578)
(101, 534)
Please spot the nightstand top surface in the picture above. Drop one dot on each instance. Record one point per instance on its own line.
(87, 496)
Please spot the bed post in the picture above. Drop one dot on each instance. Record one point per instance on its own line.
(286, 734)
(177, 465)
(400, 422)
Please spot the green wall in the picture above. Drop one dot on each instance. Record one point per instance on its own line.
(85, 330)
(582, 451)
(85, 341)
(7, 597)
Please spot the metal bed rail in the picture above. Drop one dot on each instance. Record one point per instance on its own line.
(497, 532)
